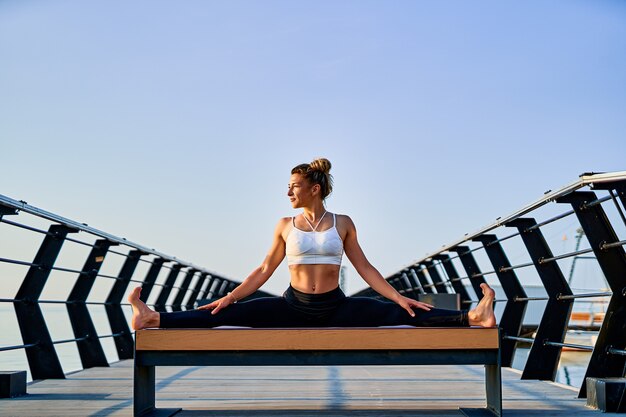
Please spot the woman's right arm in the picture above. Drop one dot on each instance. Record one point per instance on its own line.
(259, 276)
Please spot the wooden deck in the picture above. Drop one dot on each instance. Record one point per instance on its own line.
(295, 391)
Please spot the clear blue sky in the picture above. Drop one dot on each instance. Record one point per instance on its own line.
(175, 124)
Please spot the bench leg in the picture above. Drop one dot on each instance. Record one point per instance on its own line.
(144, 394)
(493, 383)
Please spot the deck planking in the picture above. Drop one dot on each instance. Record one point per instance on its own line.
(296, 391)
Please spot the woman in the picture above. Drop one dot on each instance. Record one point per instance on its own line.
(314, 242)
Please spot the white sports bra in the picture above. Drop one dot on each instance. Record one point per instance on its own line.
(314, 247)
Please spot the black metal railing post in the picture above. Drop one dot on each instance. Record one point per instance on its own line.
(177, 304)
(612, 261)
(161, 301)
(231, 286)
(409, 290)
(411, 281)
(221, 289)
(471, 268)
(421, 277)
(205, 293)
(435, 277)
(42, 357)
(394, 282)
(514, 310)
(453, 277)
(205, 289)
(543, 358)
(150, 279)
(216, 282)
(398, 282)
(191, 301)
(415, 280)
(122, 336)
(218, 288)
(88, 343)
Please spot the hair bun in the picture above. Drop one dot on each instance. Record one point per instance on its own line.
(317, 172)
(321, 164)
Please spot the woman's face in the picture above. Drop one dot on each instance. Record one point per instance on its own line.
(300, 191)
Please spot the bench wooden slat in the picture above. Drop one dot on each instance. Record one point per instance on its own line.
(317, 339)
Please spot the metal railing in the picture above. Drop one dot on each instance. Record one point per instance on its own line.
(184, 284)
(437, 273)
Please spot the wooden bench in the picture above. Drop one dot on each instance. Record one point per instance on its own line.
(322, 346)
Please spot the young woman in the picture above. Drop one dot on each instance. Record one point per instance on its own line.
(314, 242)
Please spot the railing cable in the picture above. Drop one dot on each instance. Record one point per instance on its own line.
(519, 339)
(568, 345)
(619, 209)
(615, 351)
(589, 295)
(606, 246)
(5, 348)
(566, 255)
(77, 339)
(510, 268)
(551, 220)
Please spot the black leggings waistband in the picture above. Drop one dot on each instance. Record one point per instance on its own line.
(317, 306)
(306, 298)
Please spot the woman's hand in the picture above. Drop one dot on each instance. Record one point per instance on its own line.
(217, 305)
(407, 304)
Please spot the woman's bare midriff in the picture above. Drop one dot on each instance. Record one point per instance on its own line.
(314, 279)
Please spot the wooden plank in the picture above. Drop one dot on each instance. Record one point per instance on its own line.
(318, 339)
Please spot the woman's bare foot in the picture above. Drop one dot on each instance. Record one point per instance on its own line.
(143, 316)
(483, 314)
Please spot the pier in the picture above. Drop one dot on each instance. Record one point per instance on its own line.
(95, 329)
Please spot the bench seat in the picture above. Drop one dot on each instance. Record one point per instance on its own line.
(315, 346)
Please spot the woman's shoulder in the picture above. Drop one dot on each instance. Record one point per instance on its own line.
(283, 228)
(282, 224)
(283, 221)
(344, 220)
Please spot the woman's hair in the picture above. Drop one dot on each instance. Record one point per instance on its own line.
(317, 172)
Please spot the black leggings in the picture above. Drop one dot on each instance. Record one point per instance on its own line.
(298, 309)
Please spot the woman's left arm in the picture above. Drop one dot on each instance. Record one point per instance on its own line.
(370, 274)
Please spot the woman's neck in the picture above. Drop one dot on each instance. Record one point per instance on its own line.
(315, 212)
